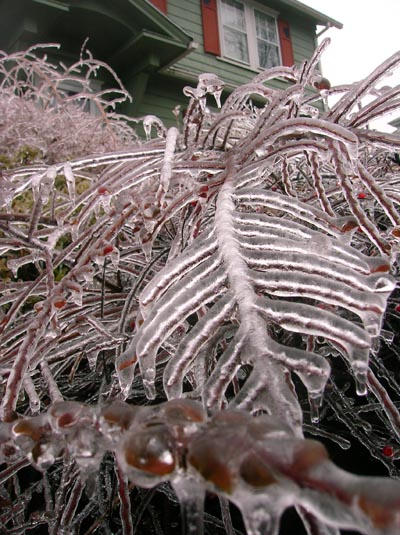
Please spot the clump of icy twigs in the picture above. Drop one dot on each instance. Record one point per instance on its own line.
(44, 109)
(243, 267)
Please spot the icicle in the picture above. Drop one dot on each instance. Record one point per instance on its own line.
(7, 191)
(85, 273)
(15, 263)
(70, 180)
(125, 367)
(191, 493)
(47, 184)
(261, 515)
(315, 401)
(92, 357)
(113, 256)
(75, 292)
(104, 202)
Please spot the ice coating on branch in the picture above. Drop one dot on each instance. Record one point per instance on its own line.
(151, 121)
(6, 192)
(246, 258)
(255, 462)
(209, 84)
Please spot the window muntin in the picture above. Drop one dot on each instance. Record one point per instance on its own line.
(249, 34)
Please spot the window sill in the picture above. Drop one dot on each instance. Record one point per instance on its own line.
(238, 64)
(248, 68)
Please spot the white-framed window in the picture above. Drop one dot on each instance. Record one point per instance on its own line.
(249, 33)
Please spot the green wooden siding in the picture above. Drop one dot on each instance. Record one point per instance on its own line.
(162, 95)
(189, 19)
(164, 91)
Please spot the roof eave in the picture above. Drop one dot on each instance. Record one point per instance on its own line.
(319, 17)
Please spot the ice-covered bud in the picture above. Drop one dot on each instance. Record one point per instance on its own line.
(321, 83)
(182, 417)
(255, 472)
(117, 415)
(388, 451)
(75, 292)
(33, 428)
(112, 254)
(102, 190)
(63, 415)
(147, 454)
(108, 249)
(307, 454)
(181, 412)
(150, 208)
(206, 457)
(59, 302)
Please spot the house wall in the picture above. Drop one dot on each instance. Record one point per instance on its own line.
(164, 92)
(189, 19)
(162, 95)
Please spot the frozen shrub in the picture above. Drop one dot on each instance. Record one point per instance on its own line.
(243, 268)
(44, 109)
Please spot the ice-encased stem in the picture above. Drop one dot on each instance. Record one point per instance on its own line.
(282, 401)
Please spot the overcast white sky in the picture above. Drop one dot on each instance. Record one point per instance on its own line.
(370, 34)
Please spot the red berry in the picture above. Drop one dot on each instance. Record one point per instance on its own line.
(396, 232)
(322, 83)
(203, 192)
(102, 190)
(108, 249)
(60, 303)
(362, 195)
(387, 451)
(397, 308)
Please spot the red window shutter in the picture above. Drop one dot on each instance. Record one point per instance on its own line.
(286, 43)
(209, 15)
(161, 4)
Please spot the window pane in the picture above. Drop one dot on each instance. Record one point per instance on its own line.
(267, 54)
(265, 27)
(236, 45)
(233, 14)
